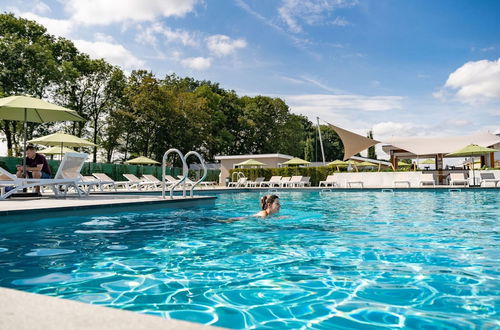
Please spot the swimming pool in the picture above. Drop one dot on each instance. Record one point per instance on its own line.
(337, 260)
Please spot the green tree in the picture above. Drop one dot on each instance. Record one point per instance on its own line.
(371, 150)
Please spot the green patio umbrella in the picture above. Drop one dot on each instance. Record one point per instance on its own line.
(471, 150)
(430, 161)
(250, 162)
(142, 161)
(30, 109)
(296, 161)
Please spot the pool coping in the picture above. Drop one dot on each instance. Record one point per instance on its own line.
(25, 311)
(115, 204)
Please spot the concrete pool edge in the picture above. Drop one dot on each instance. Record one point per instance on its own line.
(19, 209)
(25, 310)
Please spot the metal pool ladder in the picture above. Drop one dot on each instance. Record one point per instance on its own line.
(185, 171)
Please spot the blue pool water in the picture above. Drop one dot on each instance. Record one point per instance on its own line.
(338, 260)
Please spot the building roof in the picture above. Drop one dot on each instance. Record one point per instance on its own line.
(253, 156)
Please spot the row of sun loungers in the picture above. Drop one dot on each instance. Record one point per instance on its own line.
(275, 181)
(68, 178)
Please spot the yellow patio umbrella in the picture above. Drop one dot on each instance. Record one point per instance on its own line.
(429, 161)
(30, 109)
(296, 161)
(250, 162)
(472, 150)
(62, 140)
(55, 151)
(142, 161)
(338, 163)
(403, 164)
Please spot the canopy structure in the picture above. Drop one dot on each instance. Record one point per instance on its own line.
(429, 147)
(55, 150)
(353, 143)
(296, 161)
(142, 161)
(250, 162)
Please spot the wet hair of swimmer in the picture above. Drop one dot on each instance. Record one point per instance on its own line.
(267, 200)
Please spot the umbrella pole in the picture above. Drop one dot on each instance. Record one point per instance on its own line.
(25, 139)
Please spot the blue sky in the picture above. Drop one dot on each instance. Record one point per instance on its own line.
(401, 68)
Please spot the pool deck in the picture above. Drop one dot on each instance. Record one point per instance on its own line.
(26, 311)
(94, 204)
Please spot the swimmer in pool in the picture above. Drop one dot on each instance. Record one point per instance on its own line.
(270, 204)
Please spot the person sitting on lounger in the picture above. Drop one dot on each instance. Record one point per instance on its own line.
(270, 205)
(37, 166)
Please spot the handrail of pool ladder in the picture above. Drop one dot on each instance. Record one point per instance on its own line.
(239, 175)
(205, 172)
(184, 173)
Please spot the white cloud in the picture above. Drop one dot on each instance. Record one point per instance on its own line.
(311, 12)
(323, 103)
(197, 63)
(104, 12)
(57, 27)
(389, 129)
(222, 45)
(112, 52)
(41, 8)
(149, 35)
(474, 82)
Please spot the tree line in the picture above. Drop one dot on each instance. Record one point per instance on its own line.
(140, 113)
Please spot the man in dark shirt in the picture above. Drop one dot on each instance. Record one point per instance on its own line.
(36, 165)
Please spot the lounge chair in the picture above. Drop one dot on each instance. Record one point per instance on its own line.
(284, 181)
(355, 178)
(275, 181)
(89, 183)
(306, 181)
(488, 177)
(256, 182)
(458, 179)
(67, 175)
(171, 180)
(240, 183)
(115, 184)
(427, 178)
(295, 181)
(154, 180)
(330, 180)
(136, 182)
(401, 178)
(203, 183)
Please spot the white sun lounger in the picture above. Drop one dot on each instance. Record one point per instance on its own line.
(401, 178)
(241, 182)
(67, 175)
(330, 180)
(458, 179)
(427, 178)
(136, 182)
(255, 183)
(154, 180)
(355, 178)
(275, 181)
(295, 181)
(488, 177)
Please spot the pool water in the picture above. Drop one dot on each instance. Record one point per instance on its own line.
(334, 260)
